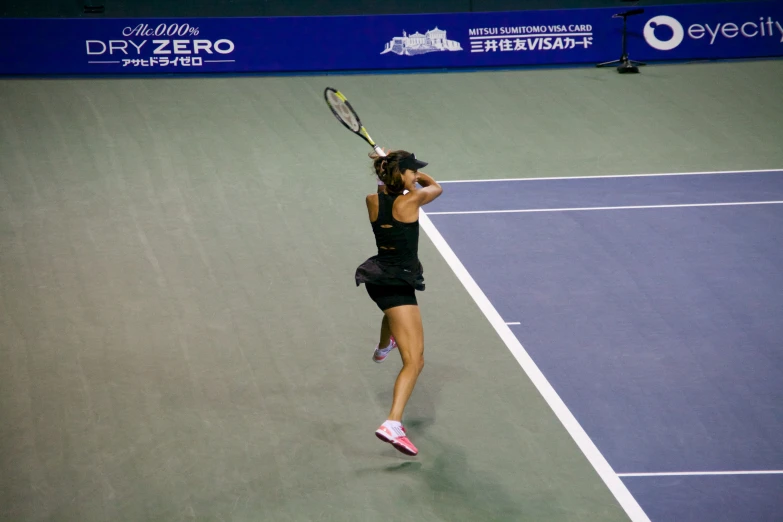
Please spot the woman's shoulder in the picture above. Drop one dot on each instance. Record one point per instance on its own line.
(406, 199)
(406, 209)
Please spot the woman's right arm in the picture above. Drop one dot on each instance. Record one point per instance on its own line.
(429, 191)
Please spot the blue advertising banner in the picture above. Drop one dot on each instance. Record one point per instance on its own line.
(344, 43)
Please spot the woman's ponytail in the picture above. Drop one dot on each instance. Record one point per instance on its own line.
(387, 169)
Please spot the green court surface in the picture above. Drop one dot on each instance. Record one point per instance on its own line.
(180, 333)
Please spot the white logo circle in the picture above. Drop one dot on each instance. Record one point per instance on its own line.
(661, 45)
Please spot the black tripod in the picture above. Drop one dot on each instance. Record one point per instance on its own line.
(626, 64)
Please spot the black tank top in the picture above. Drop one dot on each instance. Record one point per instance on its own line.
(397, 242)
(397, 261)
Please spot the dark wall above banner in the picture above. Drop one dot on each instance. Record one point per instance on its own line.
(263, 8)
(350, 43)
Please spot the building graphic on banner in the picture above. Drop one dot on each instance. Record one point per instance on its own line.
(417, 43)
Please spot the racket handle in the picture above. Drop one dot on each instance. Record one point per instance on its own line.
(380, 153)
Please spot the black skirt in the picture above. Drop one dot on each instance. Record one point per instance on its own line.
(380, 272)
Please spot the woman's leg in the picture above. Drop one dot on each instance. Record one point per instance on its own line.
(385, 333)
(385, 345)
(405, 324)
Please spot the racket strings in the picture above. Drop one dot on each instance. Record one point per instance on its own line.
(343, 112)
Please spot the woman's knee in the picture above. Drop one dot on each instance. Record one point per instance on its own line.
(416, 362)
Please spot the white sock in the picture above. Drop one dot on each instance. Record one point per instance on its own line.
(395, 427)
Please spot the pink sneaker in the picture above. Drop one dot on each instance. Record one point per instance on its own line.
(396, 436)
(379, 355)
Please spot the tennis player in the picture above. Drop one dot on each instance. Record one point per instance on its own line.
(393, 275)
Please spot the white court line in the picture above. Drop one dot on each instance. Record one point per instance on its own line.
(605, 471)
(579, 209)
(700, 473)
(511, 324)
(608, 176)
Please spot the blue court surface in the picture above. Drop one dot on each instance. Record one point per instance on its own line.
(653, 307)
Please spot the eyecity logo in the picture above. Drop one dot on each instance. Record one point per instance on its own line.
(728, 30)
(663, 45)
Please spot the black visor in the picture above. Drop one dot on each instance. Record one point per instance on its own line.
(412, 163)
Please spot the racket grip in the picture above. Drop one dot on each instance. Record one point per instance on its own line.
(380, 153)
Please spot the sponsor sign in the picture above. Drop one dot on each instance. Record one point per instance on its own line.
(334, 43)
(721, 32)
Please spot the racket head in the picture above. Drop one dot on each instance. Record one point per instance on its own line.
(342, 110)
(345, 114)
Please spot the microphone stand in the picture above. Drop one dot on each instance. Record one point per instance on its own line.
(626, 65)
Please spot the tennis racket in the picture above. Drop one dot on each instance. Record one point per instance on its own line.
(346, 115)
